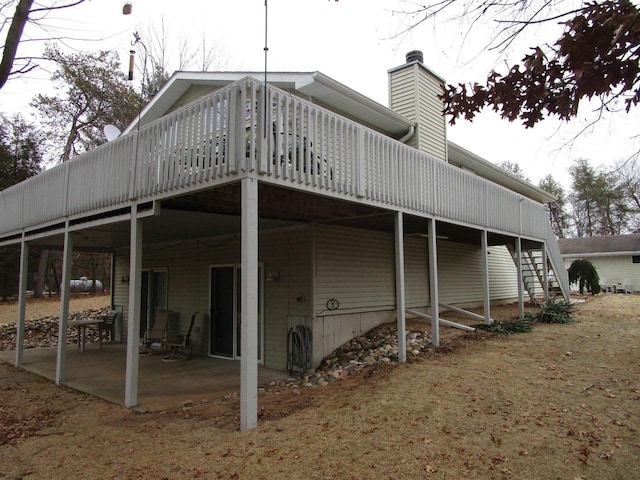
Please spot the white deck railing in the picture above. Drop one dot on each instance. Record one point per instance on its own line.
(301, 145)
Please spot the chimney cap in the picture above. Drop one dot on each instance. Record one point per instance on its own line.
(415, 56)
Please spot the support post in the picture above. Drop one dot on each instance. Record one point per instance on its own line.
(249, 305)
(133, 320)
(485, 277)
(22, 302)
(67, 261)
(400, 290)
(545, 273)
(433, 282)
(520, 279)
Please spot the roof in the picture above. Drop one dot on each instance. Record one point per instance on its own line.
(609, 244)
(340, 98)
(467, 160)
(317, 85)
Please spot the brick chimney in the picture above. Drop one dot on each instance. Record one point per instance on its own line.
(413, 93)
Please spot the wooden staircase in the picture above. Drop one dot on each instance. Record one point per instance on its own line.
(532, 271)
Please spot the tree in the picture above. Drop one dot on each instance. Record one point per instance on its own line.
(584, 273)
(20, 150)
(628, 172)
(24, 13)
(97, 94)
(20, 158)
(597, 56)
(163, 53)
(598, 204)
(558, 216)
(514, 169)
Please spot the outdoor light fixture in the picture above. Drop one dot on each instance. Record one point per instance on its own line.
(272, 276)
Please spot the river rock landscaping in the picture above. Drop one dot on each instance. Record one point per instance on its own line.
(43, 332)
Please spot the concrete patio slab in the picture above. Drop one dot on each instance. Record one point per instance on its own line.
(161, 385)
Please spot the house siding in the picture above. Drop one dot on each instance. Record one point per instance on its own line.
(188, 265)
(194, 93)
(355, 267)
(414, 94)
(614, 269)
(503, 274)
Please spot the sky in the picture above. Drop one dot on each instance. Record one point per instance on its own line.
(353, 41)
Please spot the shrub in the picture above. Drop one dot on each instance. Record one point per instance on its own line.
(583, 272)
(506, 328)
(553, 311)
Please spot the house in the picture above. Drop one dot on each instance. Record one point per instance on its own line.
(296, 204)
(615, 257)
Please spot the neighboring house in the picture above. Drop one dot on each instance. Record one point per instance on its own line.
(302, 203)
(616, 258)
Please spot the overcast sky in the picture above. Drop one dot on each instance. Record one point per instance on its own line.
(351, 41)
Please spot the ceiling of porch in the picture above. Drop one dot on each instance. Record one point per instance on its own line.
(216, 212)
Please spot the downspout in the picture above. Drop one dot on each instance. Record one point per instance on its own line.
(408, 135)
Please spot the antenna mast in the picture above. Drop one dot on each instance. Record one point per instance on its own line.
(266, 51)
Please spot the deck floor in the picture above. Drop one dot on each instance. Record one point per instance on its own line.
(161, 385)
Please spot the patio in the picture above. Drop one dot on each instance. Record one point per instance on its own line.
(162, 385)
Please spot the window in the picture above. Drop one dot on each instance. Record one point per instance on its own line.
(635, 258)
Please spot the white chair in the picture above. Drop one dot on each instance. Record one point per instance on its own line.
(627, 287)
(607, 287)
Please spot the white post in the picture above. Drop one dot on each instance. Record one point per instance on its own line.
(22, 302)
(400, 293)
(545, 273)
(433, 283)
(67, 261)
(133, 320)
(520, 279)
(249, 305)
(485, 277)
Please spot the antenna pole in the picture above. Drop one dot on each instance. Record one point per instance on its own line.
(266, 51)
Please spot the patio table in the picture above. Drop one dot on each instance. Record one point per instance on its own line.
(82, 330)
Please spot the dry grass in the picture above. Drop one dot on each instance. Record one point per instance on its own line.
(49, 307)
(562, 402)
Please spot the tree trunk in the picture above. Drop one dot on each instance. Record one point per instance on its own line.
(12, 41)
(42, 272)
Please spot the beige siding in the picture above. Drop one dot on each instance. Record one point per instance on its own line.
(416, 272)
(503, 274)
(414, 94)
(355, 267)
(188, 265)
(194, 93)
(402, 97)
(288, 254)
(121, 286)
(459, 273)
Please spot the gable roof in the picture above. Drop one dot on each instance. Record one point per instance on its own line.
(338, 97)
(609, 244)
(320, 87)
